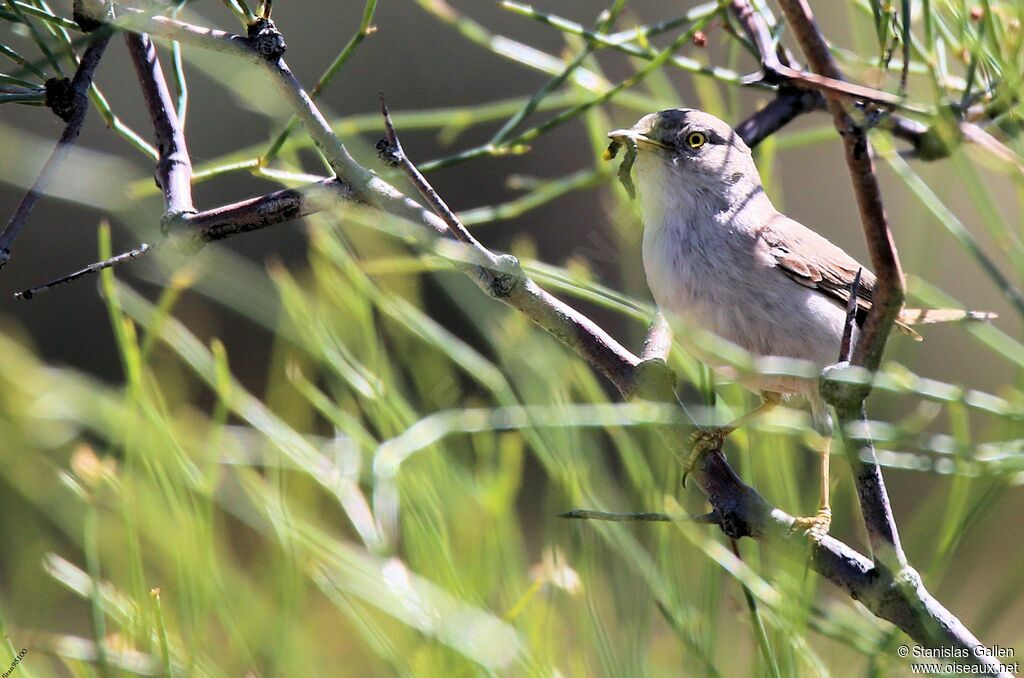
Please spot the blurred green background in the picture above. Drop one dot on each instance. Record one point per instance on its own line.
(334, 456)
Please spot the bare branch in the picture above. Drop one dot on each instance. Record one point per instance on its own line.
(740, 511)
(32, 292)
(76, 118)
(658, 342)
(846, 345)
(397, 156)
(888, 294)
(638, 517)
(755, 25)
(267, 210)
(501, 277)
(777, 70)
(174, 167)
(799, 93)
(836, 89)
(922, 617)
(891, 593)
(789, 104)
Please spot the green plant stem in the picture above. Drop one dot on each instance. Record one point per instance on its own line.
(541, 195)
(760, 633)
(617, 43)
(92, 557)
(519, 143)
(364, 30)
(510, 126)
(24, 63)
(37, 37)
(952, 225)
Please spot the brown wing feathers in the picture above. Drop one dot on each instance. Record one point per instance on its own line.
(812, 261)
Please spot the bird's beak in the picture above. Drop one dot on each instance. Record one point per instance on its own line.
(635, 136)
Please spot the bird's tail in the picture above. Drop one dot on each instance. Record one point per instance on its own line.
(929, 316)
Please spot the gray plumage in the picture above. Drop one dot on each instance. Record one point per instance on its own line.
(719, 256)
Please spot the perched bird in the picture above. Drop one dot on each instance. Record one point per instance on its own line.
(719, 256)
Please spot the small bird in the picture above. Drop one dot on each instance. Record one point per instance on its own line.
(719, 256)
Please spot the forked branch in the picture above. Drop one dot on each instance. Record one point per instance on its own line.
(927, 621)
(895, 594)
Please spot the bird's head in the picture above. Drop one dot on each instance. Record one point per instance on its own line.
(689, 151)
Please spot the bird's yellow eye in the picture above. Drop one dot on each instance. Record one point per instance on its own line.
(695, 140)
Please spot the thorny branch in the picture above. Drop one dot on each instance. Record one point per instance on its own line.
(891, 590)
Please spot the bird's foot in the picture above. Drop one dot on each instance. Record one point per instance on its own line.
(816, 526)
(704, 440)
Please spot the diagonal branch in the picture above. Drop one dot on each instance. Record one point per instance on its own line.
(739, 510)
(75, 119)
(790, 102)
(174, 167)
(502, 279)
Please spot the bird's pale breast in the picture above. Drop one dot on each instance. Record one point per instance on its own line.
(719, 277)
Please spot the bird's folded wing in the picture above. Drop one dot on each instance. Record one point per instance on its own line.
(811, 260)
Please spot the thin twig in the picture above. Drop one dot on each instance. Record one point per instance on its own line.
(174, 167)
(846, 345)
(33, 292)
(502, 279)
(888, 294)
(759, 33)
(267, 210)
(604, 23)
(366, 29)
(789, 104)
(79, 86)
(739, 510)
(905, 39)
(398, 157)
(639, 517)
(837, 89)
(792, 100)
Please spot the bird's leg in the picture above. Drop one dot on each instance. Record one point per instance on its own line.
(711, 438)
(816, 526)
